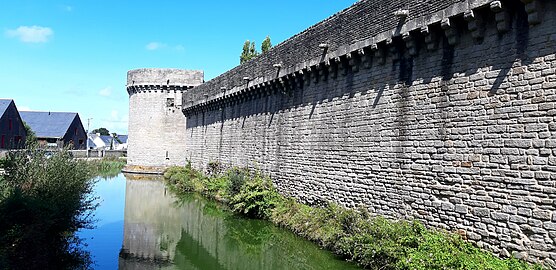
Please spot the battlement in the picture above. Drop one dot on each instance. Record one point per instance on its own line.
(163, 77)
(442, 111)
(156, 122)
(362, 35)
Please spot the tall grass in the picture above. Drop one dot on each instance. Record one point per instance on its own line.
(354, 234)
(44, 200)
(106, 167)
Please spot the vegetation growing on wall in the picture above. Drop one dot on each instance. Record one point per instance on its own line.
(44, 200)
(372, 242)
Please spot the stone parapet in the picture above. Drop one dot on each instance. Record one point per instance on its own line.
(451, 122)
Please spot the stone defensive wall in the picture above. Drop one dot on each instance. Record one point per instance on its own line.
(442, 111)
(156, 122)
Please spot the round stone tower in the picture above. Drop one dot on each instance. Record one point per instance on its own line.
(156, 122)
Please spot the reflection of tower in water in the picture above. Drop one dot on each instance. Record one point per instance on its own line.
(162, 233)
(151, 226)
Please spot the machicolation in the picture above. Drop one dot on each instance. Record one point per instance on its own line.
(156, 123)
(442, 111)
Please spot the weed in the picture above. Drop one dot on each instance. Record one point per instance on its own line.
(372, 242)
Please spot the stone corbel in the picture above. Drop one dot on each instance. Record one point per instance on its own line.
(450, 31)
(299, 79)
(354, 60)
(290, 79)
(394, 52)
(315, 74)
(307, 76)
(282, 84)
(323, 69)
(379, 54)
(475, 24)
(501, 15)
(533, 9)
(410, 43)
(333, 67)
(366, 59)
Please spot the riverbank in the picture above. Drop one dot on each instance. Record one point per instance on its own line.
(44, 200)
(107, 166)
(370, 241)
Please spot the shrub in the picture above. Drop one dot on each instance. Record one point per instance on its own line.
(256, 197)
(372, 242)
(185, 179)
(46, 200)
(236, 178)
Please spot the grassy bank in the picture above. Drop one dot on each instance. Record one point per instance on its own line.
(44, 200)
(106, 167)
(372, 242)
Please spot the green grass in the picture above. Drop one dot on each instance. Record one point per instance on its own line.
(371, 242)
(106, 167)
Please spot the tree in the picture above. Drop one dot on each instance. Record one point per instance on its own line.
(248, 52)
(31, 138)
(266, 45)
(101, 131)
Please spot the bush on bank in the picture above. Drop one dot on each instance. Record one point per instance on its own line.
(44, 199)
(371, 242)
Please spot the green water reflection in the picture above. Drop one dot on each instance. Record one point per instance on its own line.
(162, 232)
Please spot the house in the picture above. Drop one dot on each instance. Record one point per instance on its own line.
(12, 129)
(120, 142)
(107, 142)
(57, 129)
(99, 142)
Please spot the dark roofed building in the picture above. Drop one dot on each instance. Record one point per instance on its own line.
(57, 129)
(12, 130)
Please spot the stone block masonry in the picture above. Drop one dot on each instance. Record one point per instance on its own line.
(442, 112)
(156, 122)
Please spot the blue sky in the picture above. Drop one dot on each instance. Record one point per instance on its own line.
(73, 55)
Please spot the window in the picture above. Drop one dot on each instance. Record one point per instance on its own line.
(169, 102)
(9, 124)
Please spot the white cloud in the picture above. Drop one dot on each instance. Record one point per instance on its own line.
(31, 34)
(114, 115)
(116, 123)
(105, 92)
(155, 46)
(179, 48)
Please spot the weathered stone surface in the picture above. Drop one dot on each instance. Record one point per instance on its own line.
(466, 122)
(156, 122)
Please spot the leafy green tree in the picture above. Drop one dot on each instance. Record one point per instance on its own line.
(31, 139)
(101, 131)
(248, 52)
(266, 45)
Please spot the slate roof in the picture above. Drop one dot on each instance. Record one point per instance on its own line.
(122, 138)
(4, 103)
(48, 124)
(107, 139)
(92, 143)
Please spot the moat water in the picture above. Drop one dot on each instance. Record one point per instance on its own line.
(141, 225)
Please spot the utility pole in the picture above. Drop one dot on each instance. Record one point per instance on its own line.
(88, 124)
